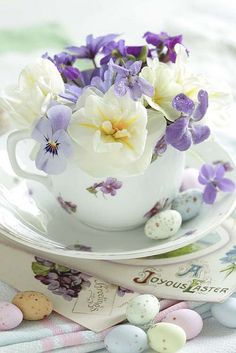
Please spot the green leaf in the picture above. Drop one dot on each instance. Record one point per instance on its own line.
(61, 268)
(143, 54)
(92, 190)
(40, 269)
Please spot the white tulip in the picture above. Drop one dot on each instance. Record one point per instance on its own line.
(113, 134)
(39, 82)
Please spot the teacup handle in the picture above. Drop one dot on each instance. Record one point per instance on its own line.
(13, 139)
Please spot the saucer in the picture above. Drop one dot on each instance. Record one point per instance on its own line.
(30, 216)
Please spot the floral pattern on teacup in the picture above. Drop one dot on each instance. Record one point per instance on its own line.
(68, 206)
(107, 187)
(157, 208)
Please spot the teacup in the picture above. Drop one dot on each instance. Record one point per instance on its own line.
(111, 204)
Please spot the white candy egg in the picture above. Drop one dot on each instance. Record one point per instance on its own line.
(142, 309)
(163, 225)
(126, 339)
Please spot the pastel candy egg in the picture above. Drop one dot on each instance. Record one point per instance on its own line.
(190, 179)
(190, 321)
(126, 339)
(163, 225)
(10, 316)
(166, 338)
(225, 312)
(188, 203)
(34, 305)
(142, 309)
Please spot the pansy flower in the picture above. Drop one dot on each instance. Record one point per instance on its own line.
(56, 146)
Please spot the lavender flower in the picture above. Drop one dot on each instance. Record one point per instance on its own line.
(55, 143)
(183, 131)
(164, 44)
(64, 62)
(93, 46)
(127, 80)
(213, 179)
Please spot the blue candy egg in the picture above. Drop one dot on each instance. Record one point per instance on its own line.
(126, 339)
(188, 203)
(225, 313)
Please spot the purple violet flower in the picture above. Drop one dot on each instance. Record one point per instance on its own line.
(165, 44)
(183, 131)
(127, 80)
(93, 46)
(64, 62)
(106, 78)
(213, 179)
(56, 145)
(114, 50)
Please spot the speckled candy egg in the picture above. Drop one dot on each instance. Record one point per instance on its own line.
(190, 179)
(163, 225)
(34, 305)
(126, 339)
(10, 316)
(166, 338)
(225, 312)
(142, 309)
(188, 203)
(190, 321)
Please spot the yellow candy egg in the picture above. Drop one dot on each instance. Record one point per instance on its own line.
(34, 305)
(166, 338)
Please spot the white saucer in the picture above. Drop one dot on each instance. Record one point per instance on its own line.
(29, 215)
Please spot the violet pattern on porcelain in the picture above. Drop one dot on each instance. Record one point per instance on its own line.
(107, 187)
(68, 206)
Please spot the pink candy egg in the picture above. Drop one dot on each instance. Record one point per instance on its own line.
(10, 316)
(190, 179)
(189, 320)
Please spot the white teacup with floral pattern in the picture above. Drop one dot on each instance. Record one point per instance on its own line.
(109, 203)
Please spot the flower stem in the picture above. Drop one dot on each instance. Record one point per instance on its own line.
(94, 63)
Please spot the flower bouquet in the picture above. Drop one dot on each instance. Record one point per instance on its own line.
(111, 136)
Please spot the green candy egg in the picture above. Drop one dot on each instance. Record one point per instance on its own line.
(166, 337)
